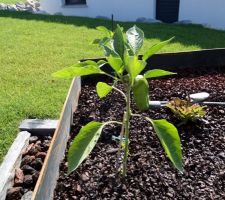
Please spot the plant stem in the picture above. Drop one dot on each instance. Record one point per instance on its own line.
(113, 122)
(126, 130)
(121, 142)
(109, 75)
(121, 92)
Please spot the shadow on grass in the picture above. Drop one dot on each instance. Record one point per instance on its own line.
(187, 35)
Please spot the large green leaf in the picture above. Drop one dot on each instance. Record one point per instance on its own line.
(170, 140)
(103, 89)
(109, 51)
(79, 69)
(115, 62)
(134, 66)
(157, 73)
(135, 38)
(118, 41)
(154, 49)
(83, 144)
(129, 49)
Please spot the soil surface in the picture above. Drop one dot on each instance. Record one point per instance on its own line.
(27, 175)
(150, 173)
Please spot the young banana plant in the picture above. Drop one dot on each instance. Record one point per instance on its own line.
(121, 51)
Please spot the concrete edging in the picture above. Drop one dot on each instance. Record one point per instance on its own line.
(12, 161)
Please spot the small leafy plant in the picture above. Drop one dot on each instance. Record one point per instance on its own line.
(185, 110)
(121, 51)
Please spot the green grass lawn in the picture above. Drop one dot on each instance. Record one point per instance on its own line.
(11, 1)
(34, 46)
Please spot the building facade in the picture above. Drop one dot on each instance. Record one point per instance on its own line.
(208, 12)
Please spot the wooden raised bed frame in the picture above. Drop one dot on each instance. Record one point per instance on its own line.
(48, 177)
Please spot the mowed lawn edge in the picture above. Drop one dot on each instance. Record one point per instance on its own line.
(11, 1)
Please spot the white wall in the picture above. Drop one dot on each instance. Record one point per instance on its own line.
(123, 10)
(210, 12)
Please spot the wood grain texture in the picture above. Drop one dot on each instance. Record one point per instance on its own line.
(50, 171)
(12, 161)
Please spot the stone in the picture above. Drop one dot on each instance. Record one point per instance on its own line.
(27, 196)
(41, 155)
(35, 176)
(37, 164)
(78, 188)
(112, 151)
(25, 152)
(14, 193)
(33, 139)
(19, 177)
(58, 13)
(3, 6)
(37, 4)
(221, 154)
(12, 8)
(34, 150)
(184, 22)
(30, 6)
(41, 12)
(12, 161)
(152, 21)
(27, 160)
(20, 6)
(28, 180)
(28, 169)
(141, 19)
(198, 97)
(149, 20)
(221, 111)
(85, 177)
(30, 2)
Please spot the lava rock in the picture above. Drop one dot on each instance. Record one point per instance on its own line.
(28, 180)
(41, 155)
(37, 164)
(141, 19)
(27, 160)
(14, 193)
(28, 149)
(33, 139)
(19, 177)
(35, 176)
(34, 150)
(28, 169)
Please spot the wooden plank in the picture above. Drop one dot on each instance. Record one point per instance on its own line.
(12, 161)
(49, 174)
